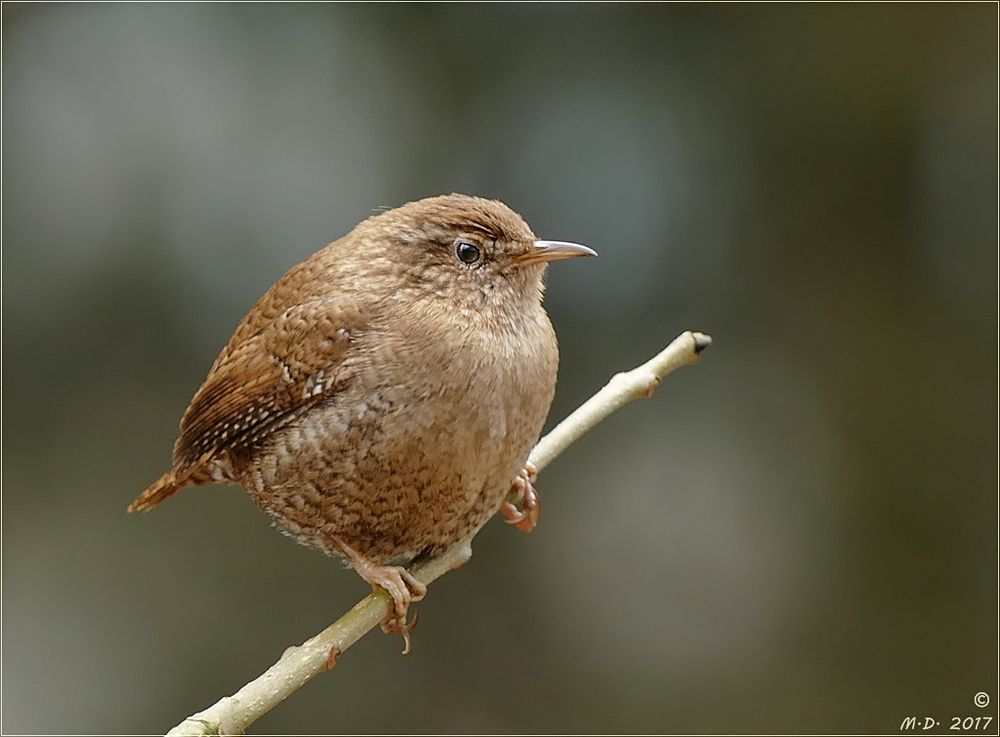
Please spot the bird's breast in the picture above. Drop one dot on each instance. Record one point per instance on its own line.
(422, 446)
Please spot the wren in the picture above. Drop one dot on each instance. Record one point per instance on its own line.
(380, 400)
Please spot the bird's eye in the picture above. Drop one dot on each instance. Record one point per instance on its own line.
(466, 252)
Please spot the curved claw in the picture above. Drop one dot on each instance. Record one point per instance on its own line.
(394, 626)
(530, 472)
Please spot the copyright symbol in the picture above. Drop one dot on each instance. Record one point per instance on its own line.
(981, 699)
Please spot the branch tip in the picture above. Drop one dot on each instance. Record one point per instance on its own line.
(701, 342)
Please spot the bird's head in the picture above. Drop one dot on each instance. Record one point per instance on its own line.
(476, 254)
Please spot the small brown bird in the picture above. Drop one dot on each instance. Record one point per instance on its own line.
(380, 400)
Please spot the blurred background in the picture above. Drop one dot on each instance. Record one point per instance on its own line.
(797, 535)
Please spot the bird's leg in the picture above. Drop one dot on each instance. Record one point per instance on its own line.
(398, 582)
(523, 493)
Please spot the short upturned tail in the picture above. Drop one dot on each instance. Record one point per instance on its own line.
(167, 485)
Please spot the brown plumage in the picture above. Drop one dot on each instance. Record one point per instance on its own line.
(380, 400)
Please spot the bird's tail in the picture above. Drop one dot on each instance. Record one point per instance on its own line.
(167, 485)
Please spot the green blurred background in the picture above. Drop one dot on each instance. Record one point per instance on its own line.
(800, 534)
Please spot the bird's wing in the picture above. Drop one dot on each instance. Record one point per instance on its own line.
(305, 282)
(265, 381)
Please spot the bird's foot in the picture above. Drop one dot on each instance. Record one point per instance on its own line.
(399, 583)
(523, 493)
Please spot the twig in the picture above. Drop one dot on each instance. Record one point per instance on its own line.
(299, 664)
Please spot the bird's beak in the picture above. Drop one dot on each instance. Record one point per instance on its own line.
(553, 251)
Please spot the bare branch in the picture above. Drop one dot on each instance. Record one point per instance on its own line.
(301, 663)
